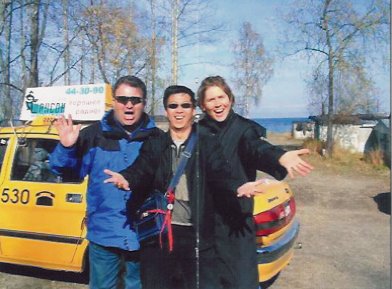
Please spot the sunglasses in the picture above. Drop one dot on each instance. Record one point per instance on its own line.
(183, 105)
(133, 99)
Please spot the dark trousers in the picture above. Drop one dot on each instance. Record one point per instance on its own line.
(179, 269)
(237, 258)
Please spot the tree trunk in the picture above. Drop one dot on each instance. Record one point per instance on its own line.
(8, 112)
(67, 80)
(33, 80)
(174, 51)
(330, 81)
(153, 57)
(92, 67)
(5, 59)
(330, 106)
(82, 64)
(22, 47)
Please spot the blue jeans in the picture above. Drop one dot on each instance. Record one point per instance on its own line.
(112, 268)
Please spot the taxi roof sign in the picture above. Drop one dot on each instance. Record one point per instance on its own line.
(83, 102)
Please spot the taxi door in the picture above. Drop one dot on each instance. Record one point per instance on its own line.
(41, 215)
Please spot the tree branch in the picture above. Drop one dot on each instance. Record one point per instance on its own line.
(11, 85)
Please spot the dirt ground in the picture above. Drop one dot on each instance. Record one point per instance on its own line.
(345, 232)
(345, 237)
(344, 240)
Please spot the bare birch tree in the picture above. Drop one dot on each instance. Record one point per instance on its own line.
(253, 67)
(157, 40)
(174, 40)
(173, 26)
(11, 85)
(67, 79)
(191, 23)
(338, 36)
(118, 47)
(37, 34)
(6, 8)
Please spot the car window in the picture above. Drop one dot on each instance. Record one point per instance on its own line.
(31, 162)
(3, 148)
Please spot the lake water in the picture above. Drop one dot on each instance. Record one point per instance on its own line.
(279, 125)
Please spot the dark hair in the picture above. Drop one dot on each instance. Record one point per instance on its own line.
(132, 81)
(210, 81)
(174, 89)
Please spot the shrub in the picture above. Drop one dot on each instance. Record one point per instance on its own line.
(345, 156)
(315, 146)
(375, 157)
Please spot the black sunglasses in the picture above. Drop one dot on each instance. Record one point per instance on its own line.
(133, 99)
(183, 105)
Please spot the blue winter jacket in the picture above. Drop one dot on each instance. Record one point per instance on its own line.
(105, 145)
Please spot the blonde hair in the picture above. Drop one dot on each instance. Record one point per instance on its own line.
(210, 81)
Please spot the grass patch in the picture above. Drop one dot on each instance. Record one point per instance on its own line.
(345, 162)
(375, 157)
(315, 146)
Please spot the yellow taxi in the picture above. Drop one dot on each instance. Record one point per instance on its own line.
(276, 227)
(41, 215)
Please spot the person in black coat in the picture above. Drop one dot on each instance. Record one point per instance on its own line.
(244, 144)
(192, 262)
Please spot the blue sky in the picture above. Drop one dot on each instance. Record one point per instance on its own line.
(285, 94)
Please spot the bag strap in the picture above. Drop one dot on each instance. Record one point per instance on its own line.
(185, 156)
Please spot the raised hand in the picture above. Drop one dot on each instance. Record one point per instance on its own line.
(117, 179)
(292, 161)
(68, 133)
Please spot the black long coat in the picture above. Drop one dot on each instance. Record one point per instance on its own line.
(244, 145)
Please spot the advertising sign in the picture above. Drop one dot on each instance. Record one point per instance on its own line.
(82, 102)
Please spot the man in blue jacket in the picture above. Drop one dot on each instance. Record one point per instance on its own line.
(114, 143)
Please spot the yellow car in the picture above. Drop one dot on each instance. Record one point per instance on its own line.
(276, 227)
(42, 216)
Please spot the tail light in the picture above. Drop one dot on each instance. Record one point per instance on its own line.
(274, 219)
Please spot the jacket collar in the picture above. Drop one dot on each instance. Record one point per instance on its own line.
(169, 140)
(113, 129)
(217, 126)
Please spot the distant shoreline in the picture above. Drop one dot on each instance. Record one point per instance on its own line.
(279, 125)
